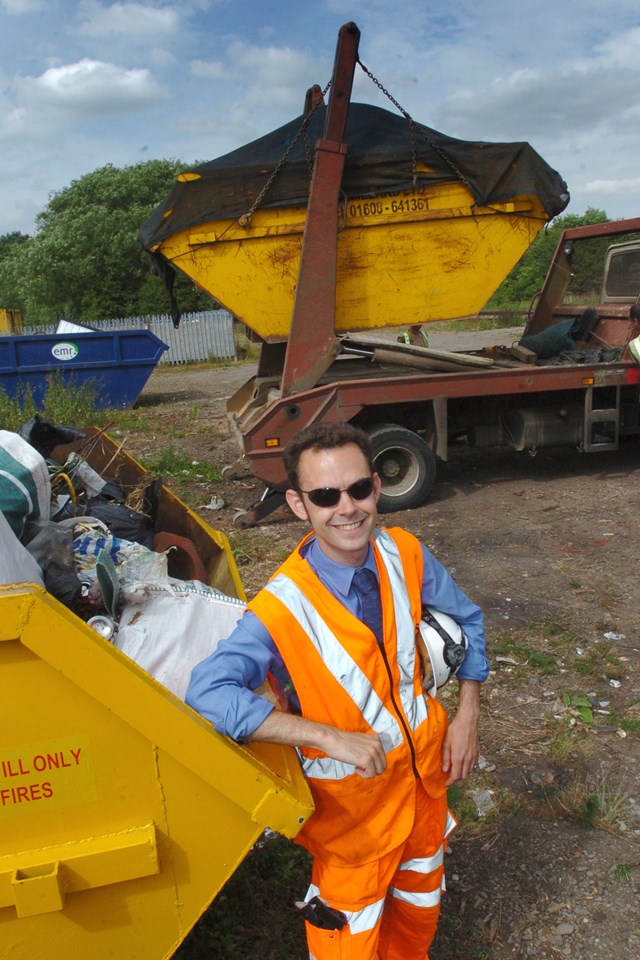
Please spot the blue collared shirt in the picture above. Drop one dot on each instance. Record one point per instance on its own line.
(222, 686)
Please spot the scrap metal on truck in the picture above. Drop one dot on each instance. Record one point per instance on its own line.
(351, 219)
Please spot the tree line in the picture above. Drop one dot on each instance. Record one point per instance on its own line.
(85, 262)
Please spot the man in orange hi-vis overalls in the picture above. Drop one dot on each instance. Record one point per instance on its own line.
(336, 626)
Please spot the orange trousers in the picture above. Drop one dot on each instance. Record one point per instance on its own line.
(392, 904)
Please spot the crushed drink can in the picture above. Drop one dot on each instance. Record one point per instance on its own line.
(105, 626)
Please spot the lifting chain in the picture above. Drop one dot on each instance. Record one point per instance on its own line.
(412, 132)
(245, 219)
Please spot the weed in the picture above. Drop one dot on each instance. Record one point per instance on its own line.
(595, 801)
(250, 547)
(598, 661)
(513, 317)
(451, 943)
(525, 653)
(462, 806)
(131, 421)
(465, 810)
(556, 634)
(178, 465)
(621, 871)
(561, 740)
(580, 706)
(630, 724)
(254, 915)
(63, 403)
(566, 737)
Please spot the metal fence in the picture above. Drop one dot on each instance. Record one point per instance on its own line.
(207, 335)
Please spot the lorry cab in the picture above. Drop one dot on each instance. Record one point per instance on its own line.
(621, 283)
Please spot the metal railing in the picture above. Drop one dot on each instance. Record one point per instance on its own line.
(206, 335)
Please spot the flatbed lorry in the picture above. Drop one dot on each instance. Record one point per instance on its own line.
(416, 403)
(376, 244)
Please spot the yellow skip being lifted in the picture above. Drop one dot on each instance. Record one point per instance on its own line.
(427, 225)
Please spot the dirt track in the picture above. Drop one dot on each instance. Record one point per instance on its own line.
(548, 546)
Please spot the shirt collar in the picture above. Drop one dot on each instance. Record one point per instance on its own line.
(337, 577)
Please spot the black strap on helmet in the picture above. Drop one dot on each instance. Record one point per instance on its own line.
(453, 653)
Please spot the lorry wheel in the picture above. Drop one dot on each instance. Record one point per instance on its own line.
(406, 465)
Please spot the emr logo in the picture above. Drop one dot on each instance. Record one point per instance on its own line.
(64, 351)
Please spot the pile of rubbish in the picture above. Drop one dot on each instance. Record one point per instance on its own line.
(96, 550)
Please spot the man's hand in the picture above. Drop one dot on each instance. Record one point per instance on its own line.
(363, 750)
(461, 747)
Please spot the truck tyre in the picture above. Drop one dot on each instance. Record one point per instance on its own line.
(406, 465)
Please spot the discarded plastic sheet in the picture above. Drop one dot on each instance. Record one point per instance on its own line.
(483, 801)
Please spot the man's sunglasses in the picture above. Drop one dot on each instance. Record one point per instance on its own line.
(330, 496)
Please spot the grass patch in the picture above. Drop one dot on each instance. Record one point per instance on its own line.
(254, 914)
(250, 547)
(595, 802)
(628, 720)
(179, 466)
(498, 320)
(555, 633)
(527, 655)
(463, 806)
(599, 662)
(64, 404)
(621, 873)
(452, 938)
(563, 738)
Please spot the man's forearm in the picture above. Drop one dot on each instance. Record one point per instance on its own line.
(469, 700)
(461, 747)
(290, 729)
(363, 750)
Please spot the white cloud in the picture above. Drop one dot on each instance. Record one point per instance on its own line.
(541, 104)
(126, 19)
(207, 69)
(80, 81)
(88, 87)
(16, 7)
(611, 187)
(281, 76)
(623, 50)
(162, 59)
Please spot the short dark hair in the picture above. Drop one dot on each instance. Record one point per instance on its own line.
(323, 436)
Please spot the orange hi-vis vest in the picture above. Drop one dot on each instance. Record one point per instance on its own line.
(344, 679)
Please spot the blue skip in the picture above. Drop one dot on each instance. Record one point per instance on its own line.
(114, 365)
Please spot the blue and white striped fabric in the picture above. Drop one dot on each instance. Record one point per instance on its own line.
(25, 488)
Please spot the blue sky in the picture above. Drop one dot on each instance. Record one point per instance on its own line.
(84, 83)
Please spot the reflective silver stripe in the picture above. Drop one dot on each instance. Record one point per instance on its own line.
(428, 899)
(359, 920)
(415, 708)
(366, 919)
(324, 768)
(344, 668)
(450, 824)
(424, 864)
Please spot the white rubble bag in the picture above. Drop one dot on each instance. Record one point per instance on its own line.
(179, 624)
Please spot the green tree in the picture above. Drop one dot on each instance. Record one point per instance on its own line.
(10, 248)
(9, 240)
(527, 277)
(85, 261)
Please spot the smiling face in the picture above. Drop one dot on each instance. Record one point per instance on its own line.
(343, 531)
